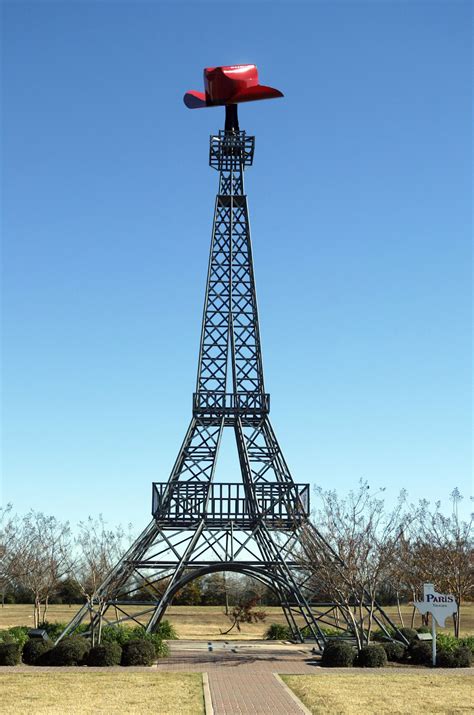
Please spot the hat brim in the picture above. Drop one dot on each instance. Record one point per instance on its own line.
(197, 100)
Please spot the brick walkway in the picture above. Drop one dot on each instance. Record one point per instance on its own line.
(241, 677)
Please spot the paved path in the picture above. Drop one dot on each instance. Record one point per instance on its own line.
(241, 676)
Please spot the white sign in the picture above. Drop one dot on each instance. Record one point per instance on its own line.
(440, 605)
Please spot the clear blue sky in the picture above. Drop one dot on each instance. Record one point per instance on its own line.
(360, 211)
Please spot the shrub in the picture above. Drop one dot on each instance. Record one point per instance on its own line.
(459, 658)
(166, 631)
(9, 653)
(395, 652)
(445, 659)
(122, 635)
(138, 652)
(33, 649)
(468, 642)
(161, 648)
(19, 634)
(338, 654)
(307, 633)
(423, 629)
(116, 634)
(420, 653)
(380, 636)
(107, 654)
(53, 630)
(6, 637)
(71, 650)
(372, 656)
(409, 633)
(463, 657)
(277, 632)
(446, 642)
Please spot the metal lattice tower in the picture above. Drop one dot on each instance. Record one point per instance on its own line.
(201, 526)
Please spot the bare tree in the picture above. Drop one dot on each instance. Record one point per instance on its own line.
(245, 611)
(8, 528)
(98, 550)
(40, 556)
(446, 544)
(363, 539)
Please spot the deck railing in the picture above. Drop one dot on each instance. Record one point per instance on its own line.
(187, 502)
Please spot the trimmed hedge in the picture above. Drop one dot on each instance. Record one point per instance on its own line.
(395, 652)
(445, 641)
(338, 654)
(459, 658)
(122, 635)
(34, 649)
(10, 653)
(138, 652)
(409, 633)
(71, 650)
(372, 656)
(107, 654)
(277, 632)
(420, 653)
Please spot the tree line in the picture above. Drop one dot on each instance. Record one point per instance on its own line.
(377, 554)
(385, 555)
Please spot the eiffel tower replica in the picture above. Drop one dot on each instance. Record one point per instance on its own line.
(201, 526)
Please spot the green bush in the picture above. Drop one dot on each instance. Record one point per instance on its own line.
(447, 642)
(53, 630)
(277, 632)
(420, 653)
(336, 632)
(6, 637)
(122, 635)
(116, 634)
(380, 636)
(138, 652)
(161, 648)
(33, 649)
(72, 650)
(338, 654)
(10, 653)
(423, 629)
(107, 654)
(166, 631)
(372, 656)
(395, 652)
(450, 643)
(459, 658)
(445, 659)
(19, 634)
(409, 633)
(468, 642)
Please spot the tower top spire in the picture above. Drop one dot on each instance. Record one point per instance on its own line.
(230, 85)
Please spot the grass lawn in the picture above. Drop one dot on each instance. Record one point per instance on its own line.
(107, 693)
(207, 622)
(365, 693)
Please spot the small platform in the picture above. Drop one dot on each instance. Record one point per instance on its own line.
(185, 503)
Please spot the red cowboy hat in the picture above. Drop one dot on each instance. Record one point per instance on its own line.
(229, 85)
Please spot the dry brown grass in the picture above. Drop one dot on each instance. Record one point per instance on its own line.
(191, 622)
(207, 622)
(111, 693)
(365, 693)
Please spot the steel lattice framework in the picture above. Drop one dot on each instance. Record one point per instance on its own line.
(199, 525)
